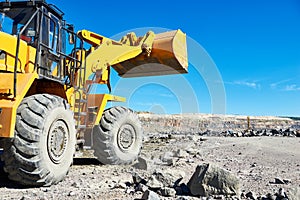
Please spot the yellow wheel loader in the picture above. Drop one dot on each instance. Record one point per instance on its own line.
(47, 108)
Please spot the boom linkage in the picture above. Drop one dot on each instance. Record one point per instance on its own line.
(106, 52)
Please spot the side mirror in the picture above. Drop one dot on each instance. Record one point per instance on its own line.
(71, 38)
(71, 34)
(30, 33)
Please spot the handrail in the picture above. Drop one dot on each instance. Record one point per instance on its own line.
(17, 52)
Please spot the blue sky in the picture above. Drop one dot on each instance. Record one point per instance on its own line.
(254, 45)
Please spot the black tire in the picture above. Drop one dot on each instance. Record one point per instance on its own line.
(118, 138)
(42, 150)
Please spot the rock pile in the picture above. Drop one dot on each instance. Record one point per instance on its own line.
(213, 124)
(207, 181)
(290, 132)
(294, 194)
(187, 165)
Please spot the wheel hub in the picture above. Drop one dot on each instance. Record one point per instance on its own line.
(57, 140)
(126, 136)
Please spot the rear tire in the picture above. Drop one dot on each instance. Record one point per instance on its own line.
(42, 150)
(118, 138)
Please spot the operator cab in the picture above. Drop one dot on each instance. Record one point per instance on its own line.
(24, 19)
(42, 26)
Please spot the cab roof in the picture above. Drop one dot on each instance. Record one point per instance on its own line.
(21, 11)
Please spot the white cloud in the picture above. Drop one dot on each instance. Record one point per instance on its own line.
(250, 84)
(285, 85)
(278, 83)
(292, 87)
(273, 85)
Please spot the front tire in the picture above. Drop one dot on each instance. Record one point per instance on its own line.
(42, 150)
(118, 138)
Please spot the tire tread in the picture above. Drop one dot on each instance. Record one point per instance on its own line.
(22, 157)
(103, 136)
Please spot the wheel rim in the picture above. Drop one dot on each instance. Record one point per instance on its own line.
(57, 140)
(126, 137)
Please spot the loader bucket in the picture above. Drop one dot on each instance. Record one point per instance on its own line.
(168, 56)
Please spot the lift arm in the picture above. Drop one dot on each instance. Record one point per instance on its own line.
(152, 54)
(106, 52)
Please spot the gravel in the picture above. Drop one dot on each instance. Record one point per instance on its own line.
(265, 161)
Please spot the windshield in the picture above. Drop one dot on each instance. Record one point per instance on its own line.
(6, 24)
(13, 19)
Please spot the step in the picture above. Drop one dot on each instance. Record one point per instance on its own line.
(80, 101)
(80, 113)
(81, 126)
(80, 141)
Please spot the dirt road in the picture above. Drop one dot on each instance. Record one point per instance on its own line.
(257, 161)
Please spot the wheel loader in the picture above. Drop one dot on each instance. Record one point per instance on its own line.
(47, 72)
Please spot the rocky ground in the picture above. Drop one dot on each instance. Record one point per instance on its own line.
(266, 162)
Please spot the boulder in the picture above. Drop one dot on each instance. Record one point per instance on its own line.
(167, 192)
(279, 181)
(210, 180)
(298, 133)
(192, 151)
(137, 178)
(250, 195)
(169, 177)
(154, 183)
(141, 164)
(167, 158)
(141, 187)
(182, 189)
(150, 195)
(281, 194)
(181, 153)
